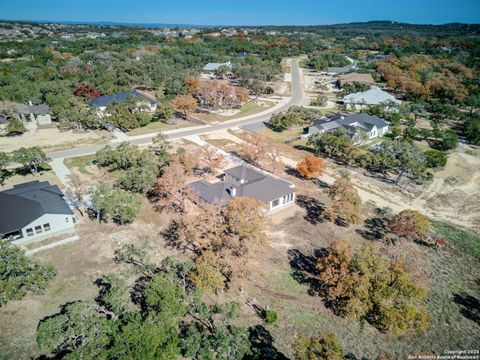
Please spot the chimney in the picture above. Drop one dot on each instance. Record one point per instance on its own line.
(233, 191)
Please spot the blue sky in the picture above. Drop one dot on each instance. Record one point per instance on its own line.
(245, 12)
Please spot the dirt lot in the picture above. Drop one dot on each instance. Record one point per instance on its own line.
(280, 283)
(78, 265)
(51, 139)
(42, 176)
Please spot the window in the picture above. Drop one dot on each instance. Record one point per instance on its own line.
(29, 232)
(38, 229)
(46, 227)
(275, 203)
(288, 198)
(66, 219)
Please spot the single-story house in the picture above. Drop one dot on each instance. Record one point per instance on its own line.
(247, 181)
(355, 78)
(371, 125)
(374, 96)
(102, 102)
(34, 114)
(33, 211)
(210, 68)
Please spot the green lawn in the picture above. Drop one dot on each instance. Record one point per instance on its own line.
(154, 126)
(283, 137)
(80, 163)
(249, 108)
(464, 241)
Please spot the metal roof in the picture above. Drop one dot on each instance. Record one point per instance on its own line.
(215, 66)
(105, 100)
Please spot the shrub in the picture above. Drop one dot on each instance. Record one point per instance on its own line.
(271, 316)
(435, 158)
(324, 347)
(410, 224)
(321, 100)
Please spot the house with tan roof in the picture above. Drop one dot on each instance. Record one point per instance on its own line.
(355, 78)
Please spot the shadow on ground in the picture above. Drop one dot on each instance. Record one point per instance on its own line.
(313, 207)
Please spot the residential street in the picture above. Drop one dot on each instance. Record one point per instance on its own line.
(296, 99)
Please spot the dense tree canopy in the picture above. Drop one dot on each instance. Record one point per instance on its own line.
(364, 285)
(20, 274)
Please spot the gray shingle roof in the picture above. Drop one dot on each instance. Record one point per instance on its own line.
(105, 100)
(257, 185)
(364, 120)
(41, 109)
(29, 201)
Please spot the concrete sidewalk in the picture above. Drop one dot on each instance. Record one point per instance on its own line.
(60, 170)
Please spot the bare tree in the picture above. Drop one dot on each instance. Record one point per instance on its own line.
(211, 158)
(172, 189)
(76, 189)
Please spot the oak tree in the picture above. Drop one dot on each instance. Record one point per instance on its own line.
(311, 167)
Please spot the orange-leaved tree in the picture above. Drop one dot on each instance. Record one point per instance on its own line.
(311, 167)
(185, 104)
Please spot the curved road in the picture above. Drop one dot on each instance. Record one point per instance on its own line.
(296, 99)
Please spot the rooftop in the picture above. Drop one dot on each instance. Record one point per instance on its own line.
(251, 183)
(105, 100)
(32, 109)
(356, 78)
(215, 66)
(27, 202)
(373, 96)
(362, 120)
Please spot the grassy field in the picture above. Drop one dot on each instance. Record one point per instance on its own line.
(79, 163)
(464, 241)
(283, 137)
(249, 108)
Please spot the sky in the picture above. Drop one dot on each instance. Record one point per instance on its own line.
(245, 12)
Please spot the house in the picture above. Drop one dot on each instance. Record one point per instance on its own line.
(355, 78)
(340, 70)
(371, 125)
(210, 68)
(247, 181)
(33, 211)
(102, 102)
(33, 114)
(374, 96)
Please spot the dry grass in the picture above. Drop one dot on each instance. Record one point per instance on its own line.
(78, 265)
(249, 108)
(52, 139)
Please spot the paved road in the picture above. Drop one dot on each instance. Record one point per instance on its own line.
(296, 99)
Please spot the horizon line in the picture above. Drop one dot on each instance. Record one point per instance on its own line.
(160, 24)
